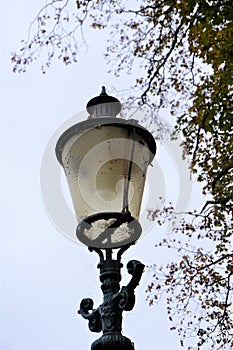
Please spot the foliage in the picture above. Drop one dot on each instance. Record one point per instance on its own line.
(185, 50)
(53, 34)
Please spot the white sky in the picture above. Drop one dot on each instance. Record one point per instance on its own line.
(44, 275)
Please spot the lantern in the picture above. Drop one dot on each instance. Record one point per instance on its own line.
(105, 160)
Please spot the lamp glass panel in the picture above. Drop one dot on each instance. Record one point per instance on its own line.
(96, 164)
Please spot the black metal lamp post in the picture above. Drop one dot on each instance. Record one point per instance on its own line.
(105, 160)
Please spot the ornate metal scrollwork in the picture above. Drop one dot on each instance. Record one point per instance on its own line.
(135, 268)
(94, 317)
(108, 316)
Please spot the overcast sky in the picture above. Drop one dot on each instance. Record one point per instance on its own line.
(44, 274)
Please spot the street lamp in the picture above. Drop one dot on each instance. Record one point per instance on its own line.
(105, 160)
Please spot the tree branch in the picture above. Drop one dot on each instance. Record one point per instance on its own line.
(221, 174)
(163, 61)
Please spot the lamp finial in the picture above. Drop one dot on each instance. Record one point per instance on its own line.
(103, 91)
(104, 105)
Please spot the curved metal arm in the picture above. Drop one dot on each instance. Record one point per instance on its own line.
(135, 268)
(127, 301)
(99, 252)
(123, 249)
(94, 317)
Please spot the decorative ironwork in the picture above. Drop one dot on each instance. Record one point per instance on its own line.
(105, 239)
(108, 316)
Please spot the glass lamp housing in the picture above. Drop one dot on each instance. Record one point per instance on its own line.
(105, 161)
(96, 156)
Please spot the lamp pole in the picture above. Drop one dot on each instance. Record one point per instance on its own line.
(105, 160)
